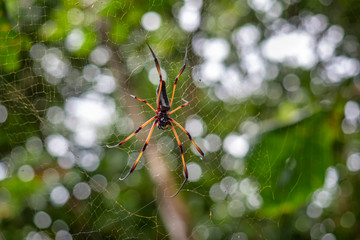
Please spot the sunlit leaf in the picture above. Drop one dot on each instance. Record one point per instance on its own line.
(290, 163)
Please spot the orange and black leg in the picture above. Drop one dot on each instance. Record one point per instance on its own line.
(158, 69)
(131, 135)
(177, 77)
(183, 161)
(143, 102)
(188, 134)
(184, 105)
(141, 153)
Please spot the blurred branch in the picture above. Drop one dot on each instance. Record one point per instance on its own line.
(297, 116)
(173, 211)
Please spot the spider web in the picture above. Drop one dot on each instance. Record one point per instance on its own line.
(64, 103)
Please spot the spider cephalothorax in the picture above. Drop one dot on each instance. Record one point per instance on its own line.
(162, 119)
(163, 122)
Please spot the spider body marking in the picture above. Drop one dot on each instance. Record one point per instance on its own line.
(162, 120)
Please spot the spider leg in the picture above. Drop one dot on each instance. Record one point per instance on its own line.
(184, 105)
(141, 153)
(131, 135)
(143, 102)
(177, 77)
(158, 68)
(183, 161)
(187, 133)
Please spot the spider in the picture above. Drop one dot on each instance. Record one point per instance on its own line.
(162, 119)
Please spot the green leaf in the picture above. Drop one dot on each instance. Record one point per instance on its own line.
(119, 32)
(291, 162)
(10, 46)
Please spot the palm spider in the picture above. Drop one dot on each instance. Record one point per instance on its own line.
(162, 119)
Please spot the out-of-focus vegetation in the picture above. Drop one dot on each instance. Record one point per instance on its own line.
(274, 91)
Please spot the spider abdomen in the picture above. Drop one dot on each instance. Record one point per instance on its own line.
(164, 104)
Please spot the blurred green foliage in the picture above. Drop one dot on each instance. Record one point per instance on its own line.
(288, 159)
(293, 160)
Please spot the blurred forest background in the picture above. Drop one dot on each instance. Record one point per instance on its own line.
(273, 87)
